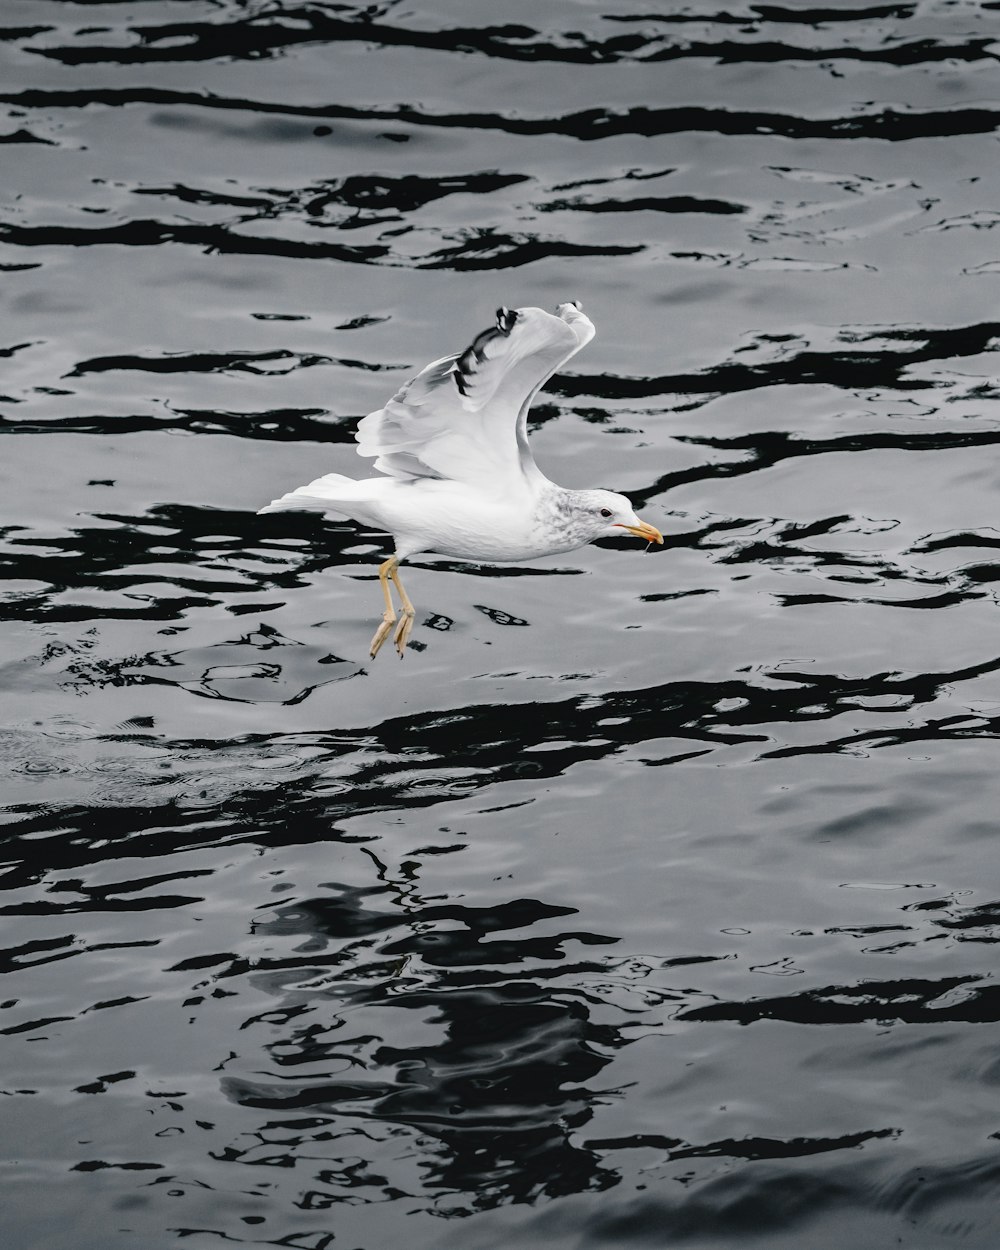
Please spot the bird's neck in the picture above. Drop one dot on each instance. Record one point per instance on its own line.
(557, 511)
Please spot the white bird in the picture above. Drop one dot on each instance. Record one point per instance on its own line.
(456, 474)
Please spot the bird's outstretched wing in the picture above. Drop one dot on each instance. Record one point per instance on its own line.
(464, 417)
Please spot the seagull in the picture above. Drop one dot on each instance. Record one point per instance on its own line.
(456, 476)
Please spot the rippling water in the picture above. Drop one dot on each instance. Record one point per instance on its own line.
(653, 900)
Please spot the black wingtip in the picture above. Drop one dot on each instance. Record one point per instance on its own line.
(506, 319)
(466, 365)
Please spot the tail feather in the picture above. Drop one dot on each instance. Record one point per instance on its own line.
(332, 493)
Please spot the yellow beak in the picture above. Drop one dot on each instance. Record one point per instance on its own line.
(648, 533)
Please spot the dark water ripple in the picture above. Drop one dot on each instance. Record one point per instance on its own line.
(891, 124)
(649, 900)
(280, 27)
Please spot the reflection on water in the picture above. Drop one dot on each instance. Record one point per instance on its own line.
(650, 900)
(497, 1073)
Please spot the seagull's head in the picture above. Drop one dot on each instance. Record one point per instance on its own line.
(605, 514)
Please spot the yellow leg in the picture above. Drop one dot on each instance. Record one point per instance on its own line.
(385, 571)
(406, 622)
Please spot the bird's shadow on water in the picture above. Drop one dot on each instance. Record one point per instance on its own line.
(501, 1026)
(485, 1065)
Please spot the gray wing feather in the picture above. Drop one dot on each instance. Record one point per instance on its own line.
(464, 417)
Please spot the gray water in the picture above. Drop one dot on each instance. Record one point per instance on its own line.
(653, 900)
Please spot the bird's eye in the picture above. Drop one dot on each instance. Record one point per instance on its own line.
(605, 512)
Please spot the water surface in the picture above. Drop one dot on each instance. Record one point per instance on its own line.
(652, 900)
